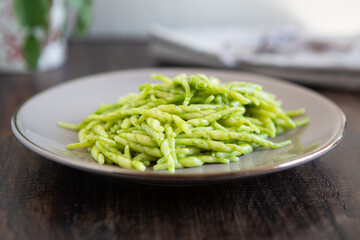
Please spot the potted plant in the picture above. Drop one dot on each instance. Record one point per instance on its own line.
(33, 34)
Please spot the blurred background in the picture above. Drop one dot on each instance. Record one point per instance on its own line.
(311, 42)
(136, 18)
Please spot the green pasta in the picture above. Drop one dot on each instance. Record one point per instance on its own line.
(184, 122)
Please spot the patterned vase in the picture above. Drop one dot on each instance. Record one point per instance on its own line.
(12, 36)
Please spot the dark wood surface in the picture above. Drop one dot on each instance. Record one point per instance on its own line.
(40, 199)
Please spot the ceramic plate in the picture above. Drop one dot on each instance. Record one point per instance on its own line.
(35, 125)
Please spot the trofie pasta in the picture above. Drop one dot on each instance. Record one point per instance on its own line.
(184, 122)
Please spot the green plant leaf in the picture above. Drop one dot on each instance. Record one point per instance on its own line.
(32, 51)
(83, 21)
(32, 13)
(83, 10)
(78, 4)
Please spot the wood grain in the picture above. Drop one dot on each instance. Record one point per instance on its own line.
(40, 199)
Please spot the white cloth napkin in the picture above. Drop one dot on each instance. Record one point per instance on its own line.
(282, 52)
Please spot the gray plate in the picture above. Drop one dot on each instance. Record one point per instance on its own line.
(35, 125)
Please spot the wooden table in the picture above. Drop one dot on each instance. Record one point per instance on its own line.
(40, 199)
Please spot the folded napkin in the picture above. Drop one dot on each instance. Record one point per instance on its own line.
(282, 52)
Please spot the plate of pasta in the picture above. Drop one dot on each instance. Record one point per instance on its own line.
(175, 126)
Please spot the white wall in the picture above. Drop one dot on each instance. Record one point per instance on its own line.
(134, 18)
(331, 17)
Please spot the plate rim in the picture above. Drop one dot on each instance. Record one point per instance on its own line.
(161, 176)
